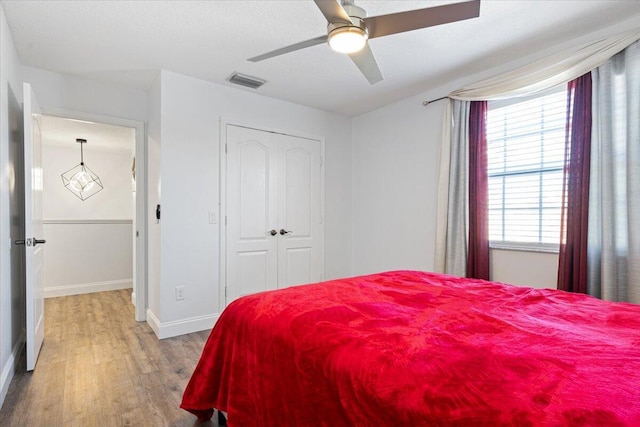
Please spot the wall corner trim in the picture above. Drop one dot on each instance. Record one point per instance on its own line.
(182, 326)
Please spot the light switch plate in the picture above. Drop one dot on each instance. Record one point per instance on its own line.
(213, 218)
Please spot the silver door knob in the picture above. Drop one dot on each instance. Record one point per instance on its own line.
(30, 242)
(283, 232)
(273, 232)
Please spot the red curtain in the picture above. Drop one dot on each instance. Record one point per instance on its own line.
(478, 254)
(572, 264)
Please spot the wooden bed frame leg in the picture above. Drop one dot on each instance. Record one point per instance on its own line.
(222, 420)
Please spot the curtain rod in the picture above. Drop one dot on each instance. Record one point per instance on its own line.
(425, 103)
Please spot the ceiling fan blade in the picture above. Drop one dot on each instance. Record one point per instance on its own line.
(333, 11)
(291, 48)
(400, 22)
(367, 64)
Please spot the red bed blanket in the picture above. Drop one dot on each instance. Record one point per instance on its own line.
(410, 348)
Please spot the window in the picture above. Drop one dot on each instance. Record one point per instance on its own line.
(525, 148)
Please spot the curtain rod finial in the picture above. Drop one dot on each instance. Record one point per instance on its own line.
(425, 103)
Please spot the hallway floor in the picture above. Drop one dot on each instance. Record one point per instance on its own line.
(99, 367)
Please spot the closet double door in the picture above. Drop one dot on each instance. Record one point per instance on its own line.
(273, 211)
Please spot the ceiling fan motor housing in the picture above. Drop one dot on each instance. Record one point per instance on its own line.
(357, 25)
(357, 14)
(341, 26)
(354, 11)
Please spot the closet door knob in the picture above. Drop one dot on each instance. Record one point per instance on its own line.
(283, 232)
(273, 232)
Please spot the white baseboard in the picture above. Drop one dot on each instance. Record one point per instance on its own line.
(86, 288)
(9, 368)
(153, 321)
(180, 327)
(133, 298)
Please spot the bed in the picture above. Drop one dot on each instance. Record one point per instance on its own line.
(409, 348)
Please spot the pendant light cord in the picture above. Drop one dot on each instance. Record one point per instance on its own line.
(81, 141)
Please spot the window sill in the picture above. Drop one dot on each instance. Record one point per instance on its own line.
(525, 247)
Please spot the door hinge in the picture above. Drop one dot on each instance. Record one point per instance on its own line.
(225, 148)
(321, 160)
(225, 292)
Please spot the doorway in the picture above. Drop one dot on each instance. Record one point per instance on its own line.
(96, 244)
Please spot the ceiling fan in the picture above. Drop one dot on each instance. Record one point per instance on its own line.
(349, 28)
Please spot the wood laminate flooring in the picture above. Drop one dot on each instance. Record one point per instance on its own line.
(99, 367)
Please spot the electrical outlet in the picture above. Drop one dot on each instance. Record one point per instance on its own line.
(179, 293)
(213, 218)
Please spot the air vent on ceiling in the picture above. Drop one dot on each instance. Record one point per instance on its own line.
(248, 81)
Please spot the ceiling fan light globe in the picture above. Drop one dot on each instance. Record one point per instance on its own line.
(347, 39)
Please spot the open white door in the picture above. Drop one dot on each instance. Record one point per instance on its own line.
(33, 226)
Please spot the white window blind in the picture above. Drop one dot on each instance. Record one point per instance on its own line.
(525, 147)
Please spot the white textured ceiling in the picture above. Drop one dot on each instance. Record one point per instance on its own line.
(127, 41)
(61, 132)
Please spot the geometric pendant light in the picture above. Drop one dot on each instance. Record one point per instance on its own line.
(81, 180)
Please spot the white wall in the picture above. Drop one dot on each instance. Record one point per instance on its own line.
(113, 168)
(190, 147)
(534, 269)
(89, 243)
(11, 291)
(59, 91)
(86, 257)
(395, 177)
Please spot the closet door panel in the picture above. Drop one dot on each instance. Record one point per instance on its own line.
(252, 196)
(299, 252)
